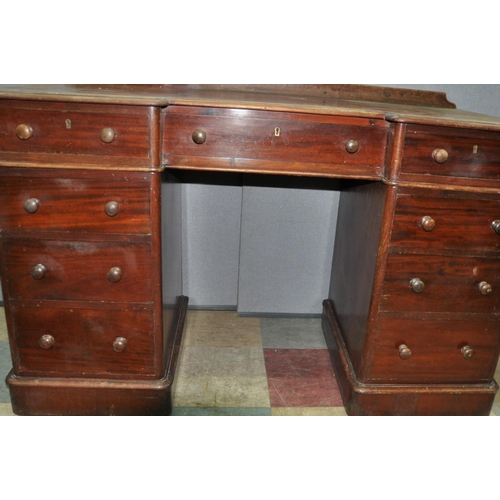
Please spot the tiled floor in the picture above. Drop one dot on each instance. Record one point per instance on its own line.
(244, 366)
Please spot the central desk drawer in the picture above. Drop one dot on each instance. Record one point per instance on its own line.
(83, 342)
(98, 202)
(45, 269)
(249, 140)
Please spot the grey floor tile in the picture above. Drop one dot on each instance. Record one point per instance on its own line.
(182, 411)
(5, 367)
(292, 333)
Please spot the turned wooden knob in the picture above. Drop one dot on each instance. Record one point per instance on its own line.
(440, 155)
(24, 132)
(38, 272)
(46, 342)
(120, 344)
(404, 351)
(199, 136)
(417, 285)
(108, 135)
(352, 146)
(485, 288)
(112, 208)
(115, 274)
(428, 223)
(467, 352)
(495, 225)
(32, 205)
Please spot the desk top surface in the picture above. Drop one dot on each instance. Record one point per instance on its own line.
(387, 103)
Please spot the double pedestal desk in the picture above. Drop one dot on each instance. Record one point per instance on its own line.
(90, 239)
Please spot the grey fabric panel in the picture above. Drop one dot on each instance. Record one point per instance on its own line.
(287, 236)
(211, 239)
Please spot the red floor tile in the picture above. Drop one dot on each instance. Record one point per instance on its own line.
(301, 378)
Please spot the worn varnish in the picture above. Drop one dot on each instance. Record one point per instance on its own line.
(90, 232)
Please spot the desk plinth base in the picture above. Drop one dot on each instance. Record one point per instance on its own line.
(100, 397)
(404, 400)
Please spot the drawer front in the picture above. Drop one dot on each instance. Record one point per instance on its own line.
(437, 224)
(450, 284)
(32, 132)
(446, 351)
(243, 138)
(459, 153)
(94, 202)
(77, 270)
(83, 342)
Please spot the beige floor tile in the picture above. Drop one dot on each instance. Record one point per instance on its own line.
(3, 326)
(6, 410)
(308, 412)
(221, 329)
(222, 392)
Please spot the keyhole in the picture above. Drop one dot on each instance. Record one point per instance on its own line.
(68, 123)
(277, 131)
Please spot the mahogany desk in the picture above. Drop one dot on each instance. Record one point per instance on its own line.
(90, 237)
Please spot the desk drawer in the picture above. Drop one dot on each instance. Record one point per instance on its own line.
(450, 284)
(49, 200)
(83, 342)
(451, 152)
(249, 140)
(45, 269)
(33, 132)
(446, 222)
(446, 351)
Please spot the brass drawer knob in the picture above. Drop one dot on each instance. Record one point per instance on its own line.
(115, 274)
(32, 205)
(120, 344)
(404, 352)
(485, 288)
(467, 352)
(46, 342)
(199, 136)
(38, 272)
(112, 208)
(352, 146)
(428, 223)
(440, 155)
(417, 285)
(24, 132)
(495, 225)
(108, 135)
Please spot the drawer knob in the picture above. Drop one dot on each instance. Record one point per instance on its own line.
(199, 136)
(467, 352)
(46, 342)
(428, 223)
(440, 155)
(112, 208)
(38, 272)
(485, 288)
(417, 285)
(352, 146)
(115, 274)
(32, 205)
(404, 351)
(108, 135)
(120, 344)
(495, 225)
(24, 132)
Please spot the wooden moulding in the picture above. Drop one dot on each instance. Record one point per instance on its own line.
(403, 400)
(86, 397)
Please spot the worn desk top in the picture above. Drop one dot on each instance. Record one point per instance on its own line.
(391, 104)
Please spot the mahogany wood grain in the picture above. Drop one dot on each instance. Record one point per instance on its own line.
(75, 201)
(71, 133)
(83, 342)
(260, 137)
(76, 270)
(471, 153)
